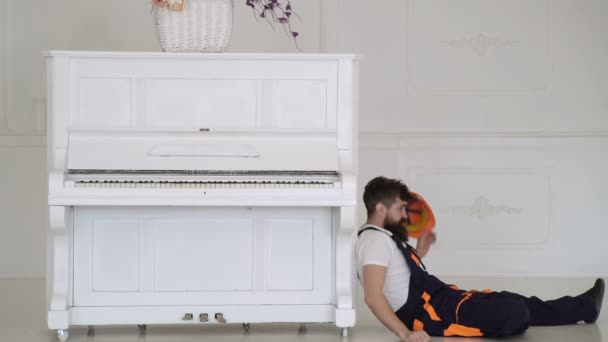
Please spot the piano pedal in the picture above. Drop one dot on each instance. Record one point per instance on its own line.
(220, 317)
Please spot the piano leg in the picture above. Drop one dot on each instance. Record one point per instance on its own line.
(142, 329)
(345, 279)
(59, 272)
(344, 332)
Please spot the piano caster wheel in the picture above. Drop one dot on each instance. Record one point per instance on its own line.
(63, 334)
(302, 329)
(344, 332)
(91, 330)
(142, 328)
(246, 326)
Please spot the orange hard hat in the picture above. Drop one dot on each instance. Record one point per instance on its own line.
(420, 218)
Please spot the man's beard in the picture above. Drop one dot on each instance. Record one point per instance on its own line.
(396, 227)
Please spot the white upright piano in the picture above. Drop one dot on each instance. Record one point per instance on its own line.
(201, 188)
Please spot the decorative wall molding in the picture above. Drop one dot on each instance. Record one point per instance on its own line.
(480, 44)
(461, 197)
(458, 55)
(397, 140)
(481, 208)
(3, 56)
(22, 107)
(335, 9)
(334, 38)
(323, 15)
(22, 140)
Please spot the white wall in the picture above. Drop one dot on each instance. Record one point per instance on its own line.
(496, 111)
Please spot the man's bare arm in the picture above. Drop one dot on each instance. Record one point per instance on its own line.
(424, 243)
(373, 283)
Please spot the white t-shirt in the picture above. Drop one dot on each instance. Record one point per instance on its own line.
(378, 248)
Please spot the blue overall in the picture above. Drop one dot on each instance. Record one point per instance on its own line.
(444, 310)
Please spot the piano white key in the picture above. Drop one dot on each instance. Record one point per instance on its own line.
(189, 184)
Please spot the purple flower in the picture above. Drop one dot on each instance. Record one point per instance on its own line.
(275, 12)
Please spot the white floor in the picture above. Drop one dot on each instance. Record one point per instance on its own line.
(22, 319)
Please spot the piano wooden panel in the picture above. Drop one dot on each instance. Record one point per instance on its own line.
(140, 150)
(182, 103)
(289, 253)
(196, 256)
(114, 255)
(103, 102)
(239, 94)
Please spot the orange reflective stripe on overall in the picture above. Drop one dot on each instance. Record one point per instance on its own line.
(416, 260)
(461, 330)
(418, 325)
(452, 329)
(429, 308)
(466, 296)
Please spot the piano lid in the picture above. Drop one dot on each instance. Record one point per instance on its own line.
(209, 151)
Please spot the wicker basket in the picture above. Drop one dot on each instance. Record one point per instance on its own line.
(202, 26)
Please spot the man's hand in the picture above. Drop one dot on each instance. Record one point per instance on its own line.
(415, 336)
(424, 243)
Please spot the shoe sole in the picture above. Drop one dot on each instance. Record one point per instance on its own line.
(598, 306)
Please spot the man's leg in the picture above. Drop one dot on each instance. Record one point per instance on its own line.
(567, 310)
(496, 314)
(561, 311)
(462, 313)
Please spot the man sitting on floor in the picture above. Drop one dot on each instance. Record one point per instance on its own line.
(414, 304)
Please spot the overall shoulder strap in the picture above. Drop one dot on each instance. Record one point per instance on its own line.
(368, 228)
(408, 252)
(412, 259)
(393, 237)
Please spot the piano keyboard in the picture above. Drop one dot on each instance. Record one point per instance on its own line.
(204, 185)
(165, 179)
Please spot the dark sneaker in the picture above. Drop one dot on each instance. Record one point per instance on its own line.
(597, 294)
